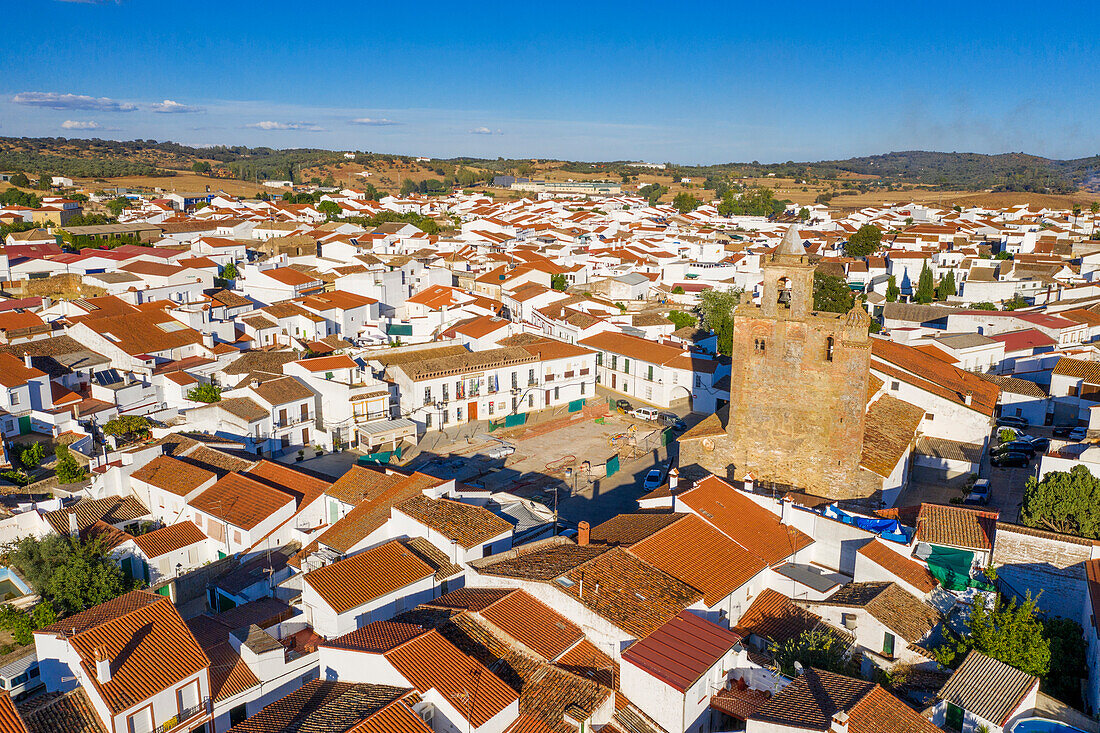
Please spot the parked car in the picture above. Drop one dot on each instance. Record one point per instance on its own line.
(1063, 431)
(1071, 433)
(1012, 459)
(644, 413)
(652, 479)
(1078, 433)
(1009, 421)
(670, 420)
(1041, 445)
(623, 405)
(1016, 446)
(979, 493)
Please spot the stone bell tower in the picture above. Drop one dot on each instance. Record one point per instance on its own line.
(798, 387)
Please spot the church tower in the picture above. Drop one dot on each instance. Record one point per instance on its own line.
(798, 387)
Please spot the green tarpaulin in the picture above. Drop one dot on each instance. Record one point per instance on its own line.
(515, 420)
(612, 465)
(952, 568)
(576, 405)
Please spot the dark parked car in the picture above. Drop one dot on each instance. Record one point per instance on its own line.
(670, 420)
(1041, 445)
(1012, 422)
(1016, 446)
(1012, 459)
(1063, 431)
(624, 406)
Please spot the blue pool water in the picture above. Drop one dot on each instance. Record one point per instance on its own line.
(1042, 725)
(11, 585)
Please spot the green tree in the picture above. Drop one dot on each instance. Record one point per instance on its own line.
(32, 455)
(813, 648)
(68, 471)
(558, 282)
(926, 292)
(127, 428)
(1064, 501)
(1094, 207)
(681, 319)
(1067, 646)
(331, 209)
(652, 193)
(116, 205)
(803, 214)
(72, 574)
(21, 180)
(200, 166)
(1016, 301)
(43, 182)
(892, 290)
(716, 312)
(408, 186)
(832, 294)
(864, 242)
(983, 305)
(947, 286)
(230, 272)
(685, 202)
(22, 624)
(677, 289)
(205, 392)
(329, 182)
(1009, 632)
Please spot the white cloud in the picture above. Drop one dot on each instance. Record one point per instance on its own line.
(170, 107)
(53, 100)
(481, 131)
(80, 125)
(271, 125)
(374, 121)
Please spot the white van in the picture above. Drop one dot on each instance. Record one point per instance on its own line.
(644, 413)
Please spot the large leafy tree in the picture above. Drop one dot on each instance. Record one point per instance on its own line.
(864, 242)
(71, 574)
(685, 202)
(1010, 632)
(681, 319)
(205, 392)
(832, 294)
(127, 428)
(716, 310)
(1064, 501)
(926, 290)
(751, 202)
(67, 470)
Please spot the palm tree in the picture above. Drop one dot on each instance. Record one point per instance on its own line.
(1076, 213)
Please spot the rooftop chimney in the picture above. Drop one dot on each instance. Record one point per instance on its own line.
(839, 723)
(27, 359)
(102, 665)
(208, 340)
(673, 480)
(583, 533)
(74, 530)
(968, 398)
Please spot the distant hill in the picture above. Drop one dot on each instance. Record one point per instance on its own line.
(97, 158)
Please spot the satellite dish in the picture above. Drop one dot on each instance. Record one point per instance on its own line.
(798, 667)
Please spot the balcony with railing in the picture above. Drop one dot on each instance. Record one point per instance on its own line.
(291, 420)
(186, 716)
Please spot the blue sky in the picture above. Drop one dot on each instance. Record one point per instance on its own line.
(686, 82)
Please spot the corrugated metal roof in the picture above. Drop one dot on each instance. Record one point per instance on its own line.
(987, 687)
(681, 651)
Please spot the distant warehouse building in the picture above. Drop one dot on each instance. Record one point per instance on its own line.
(143, 231)
(572, 188)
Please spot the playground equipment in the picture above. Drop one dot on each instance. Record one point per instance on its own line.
(619, 439)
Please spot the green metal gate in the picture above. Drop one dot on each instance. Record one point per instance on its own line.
(612, 465)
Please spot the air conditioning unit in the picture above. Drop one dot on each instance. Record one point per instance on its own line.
(427, 713)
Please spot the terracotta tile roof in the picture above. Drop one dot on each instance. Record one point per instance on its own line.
(626, 529)
(470, 599)
(881, 712)
(468, 524)
(911, 572)
(775, 617)
(322, 706)
(1014, 385)
(933, 375)
(261, 361)
(987, 688)
(529, 724)
(13, 372)
(111, 510)
(682, 650)
(1088, 371)
(635, 596)
(433, 556)
(215, 461)
(245, 408)
(241, 501)
(543, 563)
(744, 521)
(738, 702)
(378, 636)
(362, 482)
(956, 526)
(229, 674)
(167, 539)
(397, 717)
(172, 475)
(10, 722)
(71, 712)
(701, 556)
(359, 579)
(381, 495)
(303, 487)
(150, 649)
(813, 698)
(889, 431)
(533, 624)
(430, 661)
(282, 390)
(587, 660)
(896, 608)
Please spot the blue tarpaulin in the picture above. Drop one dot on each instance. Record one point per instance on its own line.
(888, 529)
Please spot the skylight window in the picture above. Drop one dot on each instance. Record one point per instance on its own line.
(171, 326)
(564, 582)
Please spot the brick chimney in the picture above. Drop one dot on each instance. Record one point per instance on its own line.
(839, 723)
(102, 665)
(583, 533)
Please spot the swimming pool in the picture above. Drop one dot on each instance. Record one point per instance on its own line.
(1042, 725)
(11, 585)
